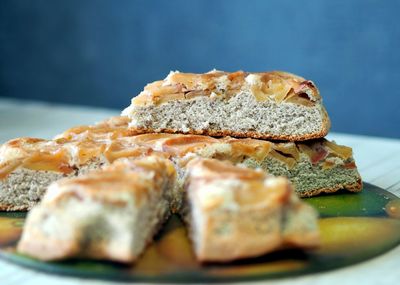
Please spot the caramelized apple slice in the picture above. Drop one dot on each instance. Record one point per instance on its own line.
(183, 144)
(342, 151)
(276, 89)
(8, 167)
(58, 162)
(315, 154)
(300, 99)
(255, 149)
(170, 97)
(289, 161)
(288, 149)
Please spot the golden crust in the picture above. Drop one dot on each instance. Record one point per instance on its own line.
(248, 134)
(12, 208)
(128, 147)
(352, 187)
(111, 128)
(35, 154)
(212, 169)
(110, 200)
(136, 176)
(231, 204)
(318, 151)
(277, 86)
(182, 144)
(244, 187)
(175, 144)
(64, 156)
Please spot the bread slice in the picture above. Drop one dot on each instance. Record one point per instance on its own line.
(29, 165)
(313, 167)
(111, 128)
(109, 214)
(270, 105)
(113, 213)
(235, 212)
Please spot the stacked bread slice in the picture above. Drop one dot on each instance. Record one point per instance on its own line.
(124, 176)
(270, 105)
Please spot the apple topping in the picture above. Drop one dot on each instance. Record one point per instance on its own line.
(181, 145)
(350, 165)
(276, 86)
(300, 99)
(327, 164)
(315, 154)
(288, 160)
(8, 167)
(288, 149)
(342, 151)
(255, 149)
(58, 162)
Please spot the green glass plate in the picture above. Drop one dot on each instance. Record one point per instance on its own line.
(354, 228)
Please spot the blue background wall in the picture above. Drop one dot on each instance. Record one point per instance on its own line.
(103, 52)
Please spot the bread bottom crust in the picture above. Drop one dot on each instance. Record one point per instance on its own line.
(354, 187)
(224, 133)
(11, 208)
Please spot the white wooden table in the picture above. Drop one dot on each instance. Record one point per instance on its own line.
(378, 160)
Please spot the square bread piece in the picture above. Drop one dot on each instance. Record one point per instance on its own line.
(29, 165)
(268, 105)
(236, 212)
(109, 214)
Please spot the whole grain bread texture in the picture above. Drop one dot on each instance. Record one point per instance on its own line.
(236, 212)
(28, 166)
(314, 167)
(108, 214)
(113, 213)
(269, 105)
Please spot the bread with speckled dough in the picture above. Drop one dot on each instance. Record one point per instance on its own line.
(268, 105)
(314, 167)
(108, 214)
(28, 165)
(236, 212)
(113, 213)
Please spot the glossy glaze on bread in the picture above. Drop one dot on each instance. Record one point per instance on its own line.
(267, 105)
(108, 214)
(113, 213)
(28, 165)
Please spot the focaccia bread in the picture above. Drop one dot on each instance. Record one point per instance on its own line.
(108, 214)
(108, 129)
(235, 212)
(269, 105)
(29, 165)
(313, 167)
(113, 213)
